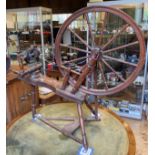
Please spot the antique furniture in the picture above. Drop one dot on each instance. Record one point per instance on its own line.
(18, 96)
(27, 27)
(135, 93)
(85, 77)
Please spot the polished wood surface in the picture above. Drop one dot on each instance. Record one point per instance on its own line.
(19, 99)
(18, 96)
(140, 130)
(19, 93)
(132, 142)
(11, 76)
(55, 74)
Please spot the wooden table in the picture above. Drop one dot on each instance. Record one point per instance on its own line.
(110, 136)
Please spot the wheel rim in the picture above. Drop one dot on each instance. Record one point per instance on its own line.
(125, 82)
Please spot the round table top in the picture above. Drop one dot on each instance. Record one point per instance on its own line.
(110, 136)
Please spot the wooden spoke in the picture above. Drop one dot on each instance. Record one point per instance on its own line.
(119, 60)
(103, 27)
(83, 41)
(103, 76)
(75, 48)
(115, 36)
(121, 47)
(113, 70)
(100, 47)
(89, 27)
(74, 60)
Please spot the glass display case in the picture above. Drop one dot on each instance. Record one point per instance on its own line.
(138, 9)
(30, 33)
(131, 101)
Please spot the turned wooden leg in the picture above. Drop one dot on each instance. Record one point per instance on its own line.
(33, 102)
(82, 126)
(96, 108)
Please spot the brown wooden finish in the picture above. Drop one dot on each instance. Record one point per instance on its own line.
(54, 74)
(103, 61)
(18, 96)
(96, 98)
(89, 27)
(128, 22)
(132, 142)
(90, 108)
(65, 68)
(119, 60)
(120, 47)
(82, 125)
(115, 37)
(75, 48)
(19, 99)
(85, 72)
(83, 41)
(74, 91)
(60, 130)
(103, 76)
(74, 60)
(66, 78)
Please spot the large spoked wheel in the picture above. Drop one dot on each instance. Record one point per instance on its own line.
(114, 36)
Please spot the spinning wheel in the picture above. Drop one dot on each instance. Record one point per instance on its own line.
(103, 41)
(99, 62)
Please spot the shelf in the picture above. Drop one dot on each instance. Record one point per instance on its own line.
(129, 115)
(135, 114)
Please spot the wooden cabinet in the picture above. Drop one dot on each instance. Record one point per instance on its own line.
(19, 97)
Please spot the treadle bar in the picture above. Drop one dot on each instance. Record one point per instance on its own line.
(68, 128)
(52, 125)
(88, 119)
(61, 118)
(72, 127)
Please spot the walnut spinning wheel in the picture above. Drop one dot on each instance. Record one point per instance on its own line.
(96, 61)
(110, 44)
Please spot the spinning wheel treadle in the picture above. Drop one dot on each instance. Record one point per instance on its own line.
(88, 74)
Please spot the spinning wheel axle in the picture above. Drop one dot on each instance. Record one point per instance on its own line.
(87, 68)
